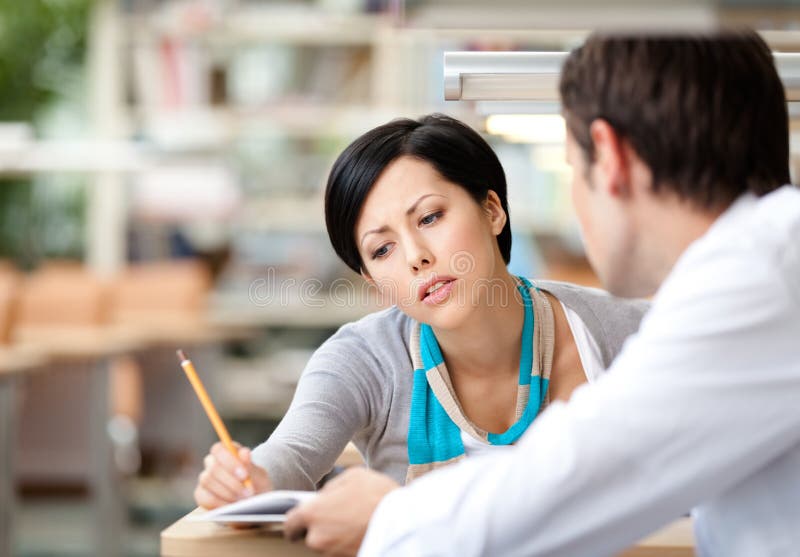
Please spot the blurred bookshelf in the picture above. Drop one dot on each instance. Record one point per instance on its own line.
(265, 97)
(230, 115)
(274, 92)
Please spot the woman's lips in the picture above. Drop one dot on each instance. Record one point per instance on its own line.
(422, 290)
(440, 294)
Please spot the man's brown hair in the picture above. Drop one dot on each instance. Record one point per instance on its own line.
(706, 113)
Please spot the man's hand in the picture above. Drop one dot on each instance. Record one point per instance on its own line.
(336, 521)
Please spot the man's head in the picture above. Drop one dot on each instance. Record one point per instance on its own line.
(694, 121)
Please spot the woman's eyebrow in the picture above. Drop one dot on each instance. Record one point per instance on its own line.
(419, 200)
(383, 228)
(410, 210)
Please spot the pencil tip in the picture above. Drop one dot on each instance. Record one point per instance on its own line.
(181, 356)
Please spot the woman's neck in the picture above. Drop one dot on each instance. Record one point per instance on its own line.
(490, 341)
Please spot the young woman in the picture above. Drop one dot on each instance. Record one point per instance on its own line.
(468, 355)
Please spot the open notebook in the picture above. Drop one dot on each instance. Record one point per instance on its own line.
(264, 507)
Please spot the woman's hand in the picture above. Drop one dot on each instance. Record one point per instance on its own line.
(222, 480)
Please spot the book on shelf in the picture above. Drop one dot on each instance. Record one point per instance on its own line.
(271, 506)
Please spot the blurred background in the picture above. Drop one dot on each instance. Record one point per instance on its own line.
(162, 165)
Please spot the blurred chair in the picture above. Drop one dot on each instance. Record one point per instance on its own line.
(60, 295)
(167, 301)
(151, 404)
(172, 292)
(57, 299)
(58, 302)
(69, 434)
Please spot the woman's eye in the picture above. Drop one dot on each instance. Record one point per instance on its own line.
(380, 252)
(430, 219)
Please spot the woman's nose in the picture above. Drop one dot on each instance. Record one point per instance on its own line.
(421, 264)
(420, 259)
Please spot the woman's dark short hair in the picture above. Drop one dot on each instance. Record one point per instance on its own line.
(456, 151)
(706, 113)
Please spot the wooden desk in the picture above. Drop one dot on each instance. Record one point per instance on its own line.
(200, 539)
(13, 363)
(208, 539)
(350, 457)
(111, 340)
(674, 540)
(172, 334)
(75, 343)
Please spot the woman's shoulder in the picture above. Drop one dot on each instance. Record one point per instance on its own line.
(388, 325)
(578, 297)
(380, 338)
(609, 319)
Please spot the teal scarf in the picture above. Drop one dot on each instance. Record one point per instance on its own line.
(437, 420)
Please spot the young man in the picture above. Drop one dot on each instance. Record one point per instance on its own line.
(679, 147)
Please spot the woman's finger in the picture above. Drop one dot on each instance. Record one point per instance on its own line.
(221, 491)
(206, 499)
(228, 461)
(234, 484)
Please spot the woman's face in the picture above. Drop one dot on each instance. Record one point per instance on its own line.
(427, 245)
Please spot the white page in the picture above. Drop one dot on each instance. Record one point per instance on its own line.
(264, 507)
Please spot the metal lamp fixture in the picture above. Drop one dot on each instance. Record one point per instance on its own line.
(502, 76)
(533, 76)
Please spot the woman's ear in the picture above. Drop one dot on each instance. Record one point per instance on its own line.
(495, 212)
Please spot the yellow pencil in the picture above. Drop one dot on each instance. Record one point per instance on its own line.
(205, 400)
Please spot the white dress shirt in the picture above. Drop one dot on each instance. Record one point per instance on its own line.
(701, 409)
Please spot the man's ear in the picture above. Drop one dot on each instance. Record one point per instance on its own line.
(611, 163)
(494, 209)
